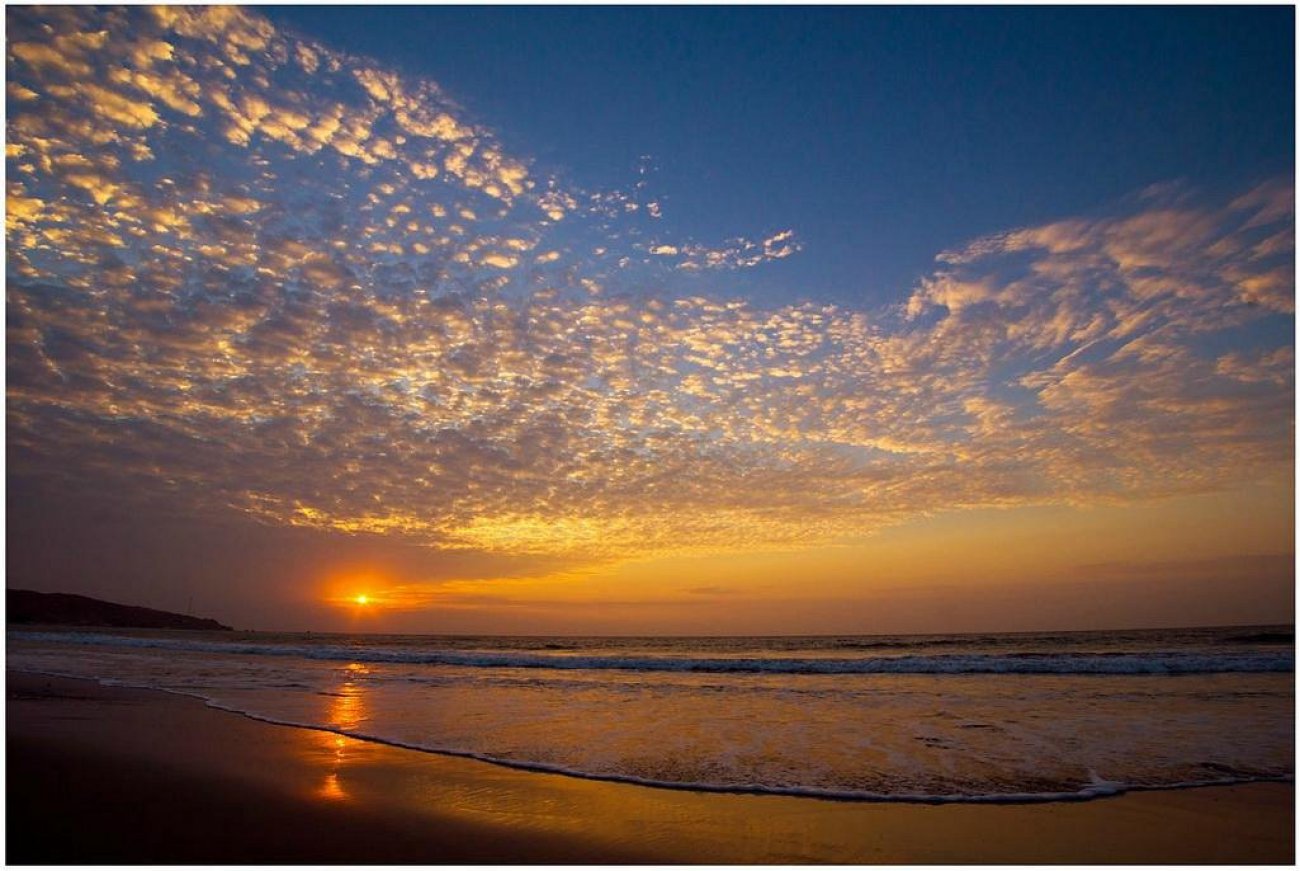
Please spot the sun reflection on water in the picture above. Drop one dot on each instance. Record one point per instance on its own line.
(347, 710)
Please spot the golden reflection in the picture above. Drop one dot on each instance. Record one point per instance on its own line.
(347, 710)
(331, 790)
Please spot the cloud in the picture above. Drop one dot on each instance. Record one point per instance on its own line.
(733, 254)
(314, 301)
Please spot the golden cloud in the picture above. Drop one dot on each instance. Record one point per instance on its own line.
(321, 311)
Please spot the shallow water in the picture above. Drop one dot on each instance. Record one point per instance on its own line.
(934, 718)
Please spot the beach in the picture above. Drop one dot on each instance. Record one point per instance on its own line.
(103, 774)
(551, 435)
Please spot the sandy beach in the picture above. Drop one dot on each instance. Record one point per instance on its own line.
(100, 774)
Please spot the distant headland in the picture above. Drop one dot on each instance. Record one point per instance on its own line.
(68, 609)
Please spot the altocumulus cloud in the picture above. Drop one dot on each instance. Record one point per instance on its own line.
(258, 274)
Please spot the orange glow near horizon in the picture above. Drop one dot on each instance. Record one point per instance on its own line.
(1000, 570)
(381, 369)
(357, 591)
(357, 602)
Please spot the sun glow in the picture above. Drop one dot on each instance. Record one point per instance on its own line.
(358, 592)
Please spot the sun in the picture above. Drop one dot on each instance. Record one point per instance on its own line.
(361, 599)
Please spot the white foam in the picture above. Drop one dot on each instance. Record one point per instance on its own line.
(1095, 789)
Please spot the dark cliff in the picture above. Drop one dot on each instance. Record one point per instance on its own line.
(67, 609)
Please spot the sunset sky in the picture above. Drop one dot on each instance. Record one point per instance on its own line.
(667, 320)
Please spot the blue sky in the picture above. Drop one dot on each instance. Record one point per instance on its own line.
(495, 314)
(881, 135)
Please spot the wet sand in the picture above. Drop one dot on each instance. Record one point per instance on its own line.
(109, 775)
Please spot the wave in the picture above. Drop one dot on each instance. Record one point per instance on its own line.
(1262, 638)
(1074, 663)
(1096, 788)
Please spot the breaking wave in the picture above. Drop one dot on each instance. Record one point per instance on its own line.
(1071, 663)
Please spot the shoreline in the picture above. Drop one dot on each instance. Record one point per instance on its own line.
(158, 776)
(1102, 792)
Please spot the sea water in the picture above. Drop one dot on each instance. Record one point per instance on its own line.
(1000, 717)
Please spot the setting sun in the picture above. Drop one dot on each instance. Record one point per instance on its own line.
(868, 438)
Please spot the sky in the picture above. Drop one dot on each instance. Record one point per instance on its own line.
(653, 320)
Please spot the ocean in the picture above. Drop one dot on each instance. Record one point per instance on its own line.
(935, 718)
